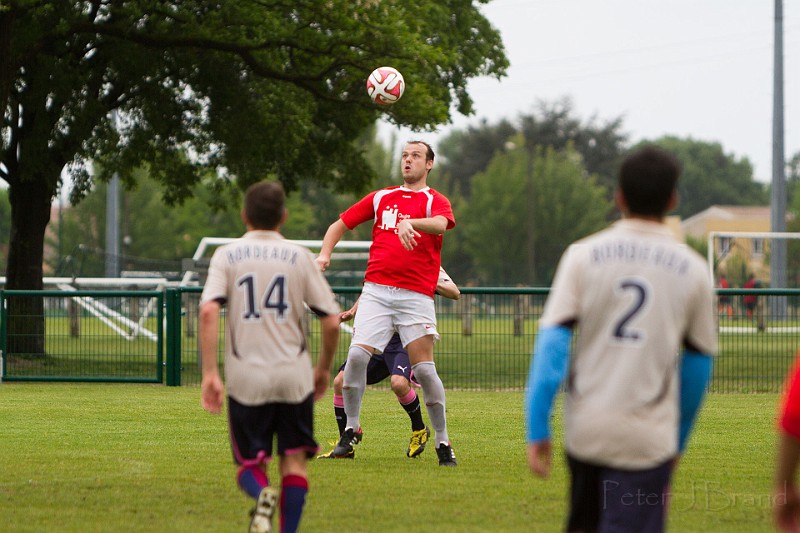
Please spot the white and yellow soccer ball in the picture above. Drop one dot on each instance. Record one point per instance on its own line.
(385, 85)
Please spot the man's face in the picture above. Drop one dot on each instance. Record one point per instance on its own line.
(413, 163)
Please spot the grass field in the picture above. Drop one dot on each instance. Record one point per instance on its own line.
(104, 457)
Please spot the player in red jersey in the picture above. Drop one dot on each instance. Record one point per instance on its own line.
(787, 496)
(402, 272)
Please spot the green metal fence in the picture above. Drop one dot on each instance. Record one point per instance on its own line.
(487, 337)
(83, 335)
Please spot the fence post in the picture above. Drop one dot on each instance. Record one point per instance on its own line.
(74, 318)
(760, 313)
(173, 337)
(520, 305)
(466, 314)
(191, 320)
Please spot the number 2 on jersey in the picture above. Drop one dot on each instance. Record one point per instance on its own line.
(640, 291)
(274, 299)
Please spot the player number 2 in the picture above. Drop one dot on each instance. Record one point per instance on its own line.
(622, 330)
(274, 298)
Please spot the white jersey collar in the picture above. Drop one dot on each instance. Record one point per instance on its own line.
(404, 188)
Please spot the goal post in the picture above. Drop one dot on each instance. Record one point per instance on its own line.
(348, 260)
(750, 249)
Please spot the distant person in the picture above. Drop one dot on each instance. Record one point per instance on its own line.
(394, 364)
(750, 300)
(643, 305)
(266, 282)
(725, 307)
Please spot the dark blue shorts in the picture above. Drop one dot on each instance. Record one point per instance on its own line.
(392, 362)
(253, 428)
(609, 500)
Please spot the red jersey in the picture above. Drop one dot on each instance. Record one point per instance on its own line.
(790, 410)
(389, 263)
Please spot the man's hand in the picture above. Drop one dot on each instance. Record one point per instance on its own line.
(407, 234)
(344, 316)
(540, 457)
(321, 378)
(787, 509)
(213, 393)
(323, 262)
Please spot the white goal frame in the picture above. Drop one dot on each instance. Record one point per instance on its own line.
(712, 235)
(354, 250)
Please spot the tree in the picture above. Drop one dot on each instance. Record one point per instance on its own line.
(466, 153)
(250, 89)
(600, 144)
(711, 177)
(525, 209)
(5, 227)
(158, 236)
(792, 176)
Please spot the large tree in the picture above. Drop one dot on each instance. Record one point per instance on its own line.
(526, 207)
(601, 143)
(711, 177)
(253, 88)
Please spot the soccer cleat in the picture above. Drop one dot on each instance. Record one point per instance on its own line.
(329, 455)
(447, 457)
(346, 442)
(417, 443)
(261, 521)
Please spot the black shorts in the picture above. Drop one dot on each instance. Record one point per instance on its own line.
(392, 362)
(253, 428)
(616, 501)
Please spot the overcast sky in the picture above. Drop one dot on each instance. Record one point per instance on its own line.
(691, 68)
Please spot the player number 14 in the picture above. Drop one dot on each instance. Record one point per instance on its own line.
(274, 298)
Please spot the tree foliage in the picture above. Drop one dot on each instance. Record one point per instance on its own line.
(525, 209)
(468, 152)
(246, 89)
(5, 228)
(600, 143)
(711, 177)
(155, 236)
(250, 88)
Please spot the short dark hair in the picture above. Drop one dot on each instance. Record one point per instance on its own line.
(429, 155)
(647, 179)
(264, 204)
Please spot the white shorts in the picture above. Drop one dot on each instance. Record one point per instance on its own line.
(382, 310)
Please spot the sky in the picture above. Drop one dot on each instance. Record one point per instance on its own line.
(701, 69)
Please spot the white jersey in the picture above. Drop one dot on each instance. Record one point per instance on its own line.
(264, 280)
(636, 295)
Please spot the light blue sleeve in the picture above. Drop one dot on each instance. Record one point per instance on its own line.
(548, 369)
(695, 373)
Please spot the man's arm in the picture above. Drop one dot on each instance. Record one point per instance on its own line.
(434, 225)
(787, 498)
(445, 286)
(330, 339)
(695, 372)
(211, 385)
(332, 237)
(548, 370)
(408, 229)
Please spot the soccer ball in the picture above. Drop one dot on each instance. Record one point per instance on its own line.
(385, 85)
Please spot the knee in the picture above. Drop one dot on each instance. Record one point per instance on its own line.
(400, 385)
(338, 381)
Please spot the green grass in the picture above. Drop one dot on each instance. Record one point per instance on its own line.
(102, 457)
